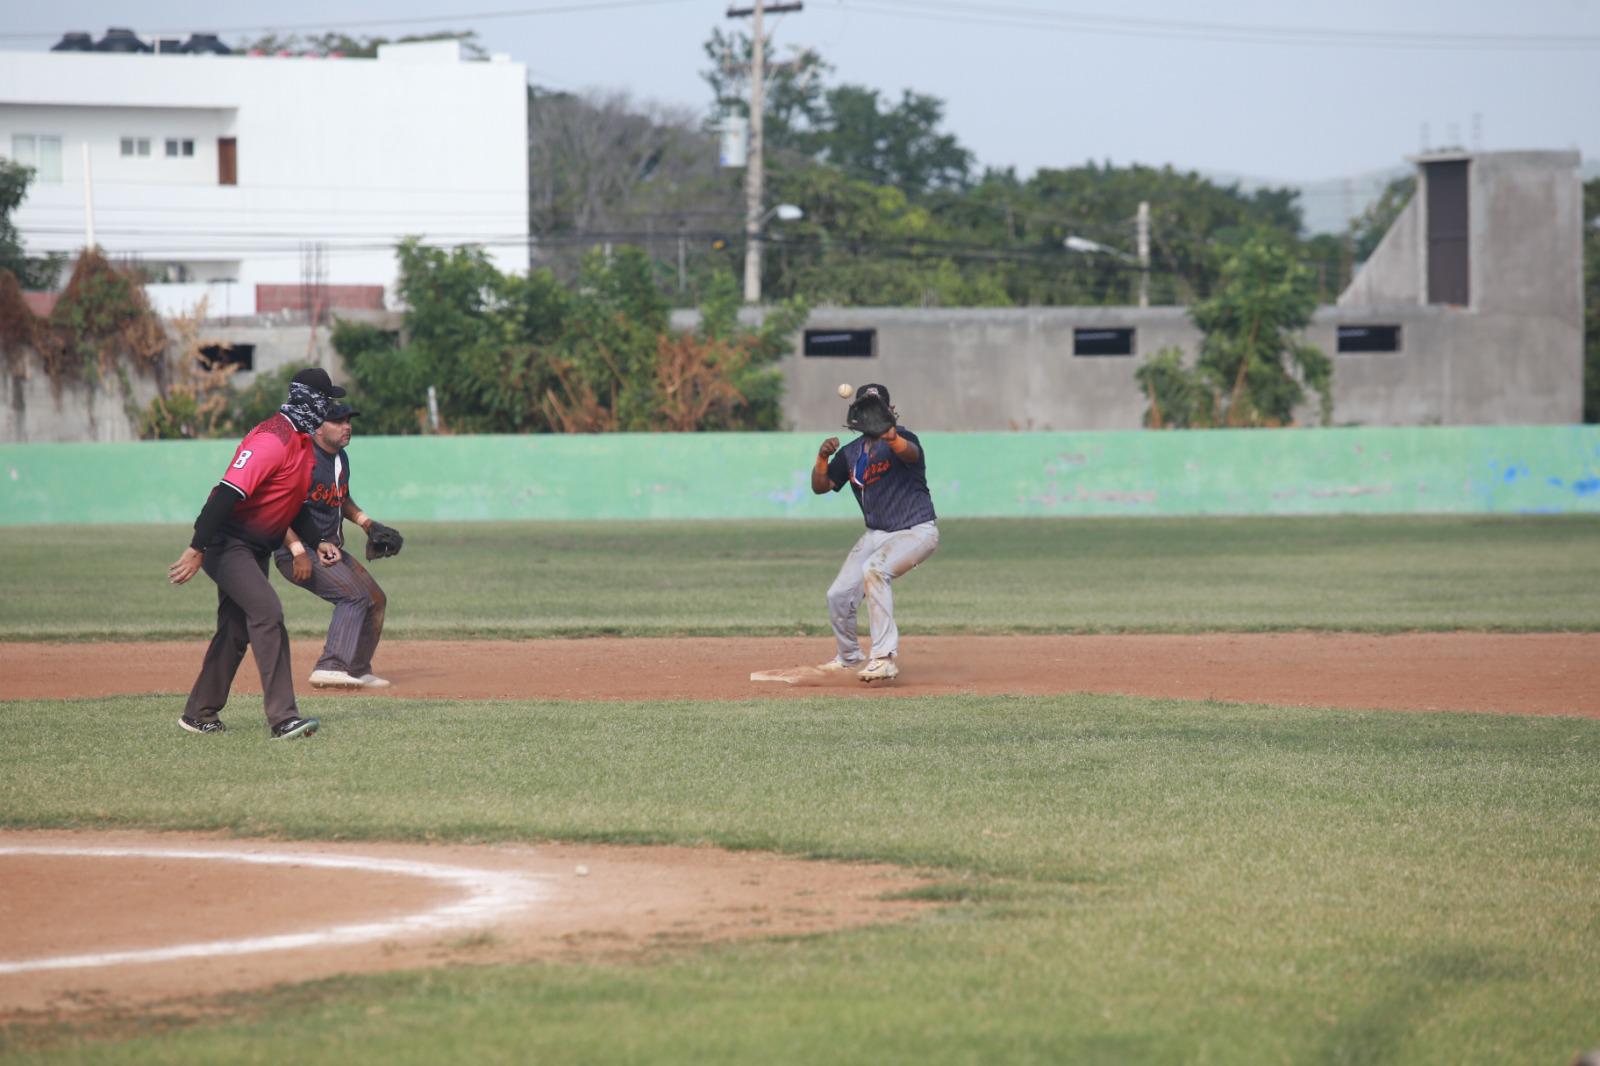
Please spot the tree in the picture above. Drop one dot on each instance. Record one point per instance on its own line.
(513, 354)
(30, 273)
(899, 146)
(1251, 346)
(845, 126)
(1254, 366)
(342, 44)
(1367, 229)
(794, 90)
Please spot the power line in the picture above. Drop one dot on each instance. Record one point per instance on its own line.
(1021, 17)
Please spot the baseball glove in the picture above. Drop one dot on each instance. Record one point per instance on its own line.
(383, 541)
(870, 415)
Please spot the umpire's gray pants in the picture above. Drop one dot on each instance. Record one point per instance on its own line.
(358, 606)
(249, 614)
(877, 559)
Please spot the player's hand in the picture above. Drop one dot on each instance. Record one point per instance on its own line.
(300, 569)
(829, 446)
(329, 553)
(187, 566)
(889, 435)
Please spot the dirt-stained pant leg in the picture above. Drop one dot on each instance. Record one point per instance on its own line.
(358, 610)
(875, 561)
(894, 555)
(844, 596)
(248, 613)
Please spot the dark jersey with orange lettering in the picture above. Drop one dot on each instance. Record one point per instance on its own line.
(271, 471)
(330, 484)
(893, 494)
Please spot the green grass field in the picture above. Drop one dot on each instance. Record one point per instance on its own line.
(1128, 881)
(752, 578)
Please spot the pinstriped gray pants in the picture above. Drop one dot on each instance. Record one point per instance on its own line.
(358, 606)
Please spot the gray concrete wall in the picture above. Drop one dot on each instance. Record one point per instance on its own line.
(1393, 274)
(32, 410)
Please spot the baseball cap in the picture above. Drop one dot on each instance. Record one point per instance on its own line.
(873, 390)
(339, 412)
(314, 377)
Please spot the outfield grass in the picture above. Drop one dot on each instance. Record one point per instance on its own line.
(1137, 880)
(1377, 574)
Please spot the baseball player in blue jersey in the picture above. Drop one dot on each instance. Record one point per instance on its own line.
(358, 602)
(887, 470)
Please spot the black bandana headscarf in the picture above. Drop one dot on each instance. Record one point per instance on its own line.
(306, 407)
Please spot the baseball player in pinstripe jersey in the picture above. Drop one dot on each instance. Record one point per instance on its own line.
(358, 602)
(886, 468)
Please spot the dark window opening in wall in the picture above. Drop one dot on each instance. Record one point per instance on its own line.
(1369, 338)
(242, 356)
(1102, 342)
(850, 343)
(227, 161)
(1448, 233)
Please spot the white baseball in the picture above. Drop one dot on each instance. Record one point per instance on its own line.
(582, 871)
(845, 391)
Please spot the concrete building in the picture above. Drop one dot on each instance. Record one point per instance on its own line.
(1470, 312)
(263, 182)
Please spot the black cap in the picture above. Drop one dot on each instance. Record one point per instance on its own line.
(339, 412)
(873, 390)
(314, 377)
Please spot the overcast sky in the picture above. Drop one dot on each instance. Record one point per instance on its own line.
(1288, 92)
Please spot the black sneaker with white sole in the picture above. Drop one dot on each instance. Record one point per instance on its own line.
(295, 727)
(193, 726)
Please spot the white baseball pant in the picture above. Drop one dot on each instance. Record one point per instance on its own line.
(877, 559)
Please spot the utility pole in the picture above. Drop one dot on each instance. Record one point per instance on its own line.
(88, 200)
(1144, 253)
(754, 174)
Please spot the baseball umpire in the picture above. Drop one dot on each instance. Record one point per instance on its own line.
(886, 468)
(244, 519)
(358, 602)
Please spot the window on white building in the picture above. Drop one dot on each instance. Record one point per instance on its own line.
(135, 146)
(177, 147)
(40, 151)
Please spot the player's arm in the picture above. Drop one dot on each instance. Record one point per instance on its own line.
(301, 566)
(356, 514)
(903, 449)
(821, 481)
(219, 505)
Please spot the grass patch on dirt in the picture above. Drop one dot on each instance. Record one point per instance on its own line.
(510, 580)
(1129, 880)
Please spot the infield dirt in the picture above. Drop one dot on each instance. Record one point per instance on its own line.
(1511, 673)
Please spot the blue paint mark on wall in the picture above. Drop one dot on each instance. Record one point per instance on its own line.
(1587, 487)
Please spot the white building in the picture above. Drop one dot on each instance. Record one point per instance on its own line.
(255, 179)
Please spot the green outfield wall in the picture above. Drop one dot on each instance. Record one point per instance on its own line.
(1435, 470)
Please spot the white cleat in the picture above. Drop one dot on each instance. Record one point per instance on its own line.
(879, 670)
(835, 666)
(333, 679)
(373, 681)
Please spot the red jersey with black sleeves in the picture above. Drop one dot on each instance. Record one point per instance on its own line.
(271, 472)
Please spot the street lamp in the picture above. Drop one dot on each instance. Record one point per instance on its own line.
(785, 213)
(1075, 243)
(752, 251)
